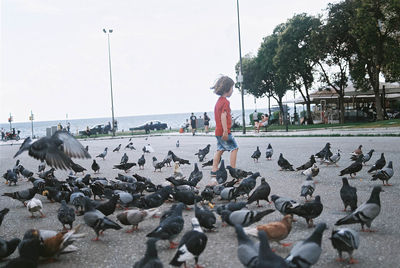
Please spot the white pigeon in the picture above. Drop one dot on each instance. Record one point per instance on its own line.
(334, 159)
(177, 170)
(35, 205)
(312, 171)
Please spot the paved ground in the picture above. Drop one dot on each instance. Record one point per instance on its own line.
(118, 249)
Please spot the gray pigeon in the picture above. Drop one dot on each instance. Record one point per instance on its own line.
(284, 164)
(347, 240)
(306, 253)
(150, 259)
(334, 159)
(66, 215)
(379, 164)
(269, 152)
(103, 154)
(117, 148)
(365, 213)
(307, 188)
(221, 173)
(124, 159)
(247, 250)
(384, 174)
(267, 258)
(256, 154)
(283, 204)
(244, 217)
(8, 247)
(348, 194)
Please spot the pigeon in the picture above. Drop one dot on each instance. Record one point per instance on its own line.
(125, 167)
(348, 194)
(266, 257)
(379, 164)
(312, 171)
(205, 217)
(256, 155)
(269, 152)
(186, 197)
(247, 250)
(103, 154)
(117, 148)
(276, 231)
(42, 166)
(325, 153)
(283, 204)
(353, 168)
(227, 193)
(231, 206)
(384, 174)
(3, 213)
(306, 253)
(10, 177)
(66, 215)
(150, 259)
(141, 161)
(307, 188)
(77, 168)
(177, 144)
(221, 173)
(365, 213)
(333, 159)
(357, 151)
(157, 165)
(208, 163)
(134, 217)
(87, 148)
(366, 157)
(124, 159)
(308, 211)
(108, 207)
(29, 250)
(260, 193)
(208, 193)
(35, 205)
(8, 247)
(25, 172)
(347, 240)
(238, 173)
(23, 195)
(97, 220)
(130, 146)
(308, 164)
(244, 217)
(170, 227)
(147, 149)
(203, 152)
(191, 246)
(167, 160)
(247, 185)
(196, 175)
(95, 166)
(284, 164)
(176, 158)
(55, 150)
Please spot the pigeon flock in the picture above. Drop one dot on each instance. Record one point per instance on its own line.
(161, 197)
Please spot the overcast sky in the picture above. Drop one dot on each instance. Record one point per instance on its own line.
(165, 54)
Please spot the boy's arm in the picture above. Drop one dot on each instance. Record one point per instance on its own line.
(224, 126)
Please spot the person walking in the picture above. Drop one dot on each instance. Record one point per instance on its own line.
(206, 122)
(193, 123)
(223, 121)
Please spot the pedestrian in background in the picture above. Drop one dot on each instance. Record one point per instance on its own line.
(206, 122)
(193, 123)
(223, 121)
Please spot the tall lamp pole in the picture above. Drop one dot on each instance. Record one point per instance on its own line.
(240, 76)
(109, 64)
(31, 118)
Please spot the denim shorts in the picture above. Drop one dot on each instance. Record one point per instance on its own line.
(228, 145)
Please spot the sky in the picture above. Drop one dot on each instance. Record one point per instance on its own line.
(165, 55)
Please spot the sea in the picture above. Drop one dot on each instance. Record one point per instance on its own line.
(174, 121)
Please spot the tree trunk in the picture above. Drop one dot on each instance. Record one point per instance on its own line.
(284, 117)
(309, 117)
(269, 106)
(378, 106)
(341, 107)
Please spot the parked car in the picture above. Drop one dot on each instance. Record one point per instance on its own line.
(151, 125)
(97, 129)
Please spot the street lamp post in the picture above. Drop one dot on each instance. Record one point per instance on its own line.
(31, 118)
(10, 119)
(240, 76)
(109, 64)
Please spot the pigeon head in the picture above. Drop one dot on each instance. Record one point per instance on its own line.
(269, 146)
(274, 197)
(154, 158)
(316, 236)
(24, 146)
(317, 199)
(390, 165)
(345, 181)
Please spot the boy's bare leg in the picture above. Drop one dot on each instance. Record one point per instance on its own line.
(233, 157)
(217, 157)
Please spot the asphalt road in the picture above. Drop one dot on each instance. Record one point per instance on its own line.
(119, 249)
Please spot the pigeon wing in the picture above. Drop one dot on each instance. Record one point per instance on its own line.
(72, 147)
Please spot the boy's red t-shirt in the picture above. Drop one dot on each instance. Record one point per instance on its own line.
(221, 106)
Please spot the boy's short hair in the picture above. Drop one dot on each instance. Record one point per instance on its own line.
(223, 85)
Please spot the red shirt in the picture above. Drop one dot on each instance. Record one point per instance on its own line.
(221, 106)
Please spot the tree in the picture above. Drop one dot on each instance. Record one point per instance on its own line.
(374, 27)
(295, 55)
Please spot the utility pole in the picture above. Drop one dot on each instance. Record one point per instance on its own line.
(240, 76)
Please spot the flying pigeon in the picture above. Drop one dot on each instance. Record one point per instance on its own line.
(307, 252)
(284, 164)
(103, 154)
(365, 213)
(347, 240)
(55, 150)
(348, 194)
(379, 164)
(191, 245)
(117, 148)
(269, 152)
(256, 154)
(384, 174)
